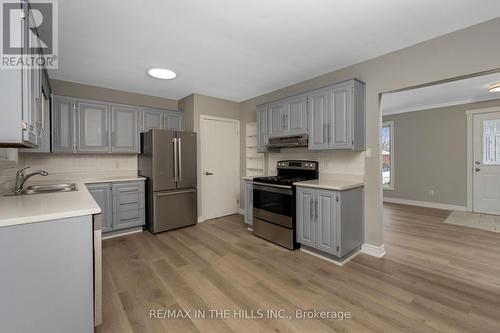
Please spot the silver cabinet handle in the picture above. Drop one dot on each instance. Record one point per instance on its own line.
(179, 151)
(316, 208)
(208, 173)
(311, 209)
(174, 141)
(174, 193)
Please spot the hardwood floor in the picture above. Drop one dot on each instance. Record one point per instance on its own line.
(435, 277)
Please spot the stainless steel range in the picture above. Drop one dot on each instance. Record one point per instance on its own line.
(274, 201)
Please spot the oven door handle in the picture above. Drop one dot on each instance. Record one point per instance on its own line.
(272, 188)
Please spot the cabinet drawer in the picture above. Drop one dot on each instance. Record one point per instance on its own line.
(128, 196)
(128, 219)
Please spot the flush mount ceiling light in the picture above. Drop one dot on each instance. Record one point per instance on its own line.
(161, 73)
(495, 88)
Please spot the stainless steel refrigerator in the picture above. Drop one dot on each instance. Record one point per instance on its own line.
(168, 161)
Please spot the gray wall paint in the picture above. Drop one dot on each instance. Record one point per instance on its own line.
(430, 153)
(196, 105)
(73, 89)
(463, 52)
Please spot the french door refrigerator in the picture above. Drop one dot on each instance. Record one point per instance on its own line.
(168, 161)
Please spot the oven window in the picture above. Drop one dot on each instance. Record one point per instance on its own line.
(278, 203)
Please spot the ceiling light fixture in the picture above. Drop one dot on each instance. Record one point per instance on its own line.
(161, 73)
(495, 88)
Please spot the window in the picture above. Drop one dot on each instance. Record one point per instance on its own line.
(388, 155)
(491, 142)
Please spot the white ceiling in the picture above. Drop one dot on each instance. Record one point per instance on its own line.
(238, 49)
(446, 94)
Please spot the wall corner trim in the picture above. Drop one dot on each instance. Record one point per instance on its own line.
(426, 204)
(241, 211)
(372, 250)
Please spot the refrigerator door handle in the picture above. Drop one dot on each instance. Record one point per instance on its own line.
(179, 159)
(174, 193)
(174, 141)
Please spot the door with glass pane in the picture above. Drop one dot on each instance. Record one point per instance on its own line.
(486, 179)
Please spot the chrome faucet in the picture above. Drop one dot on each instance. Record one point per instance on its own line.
(21, 178)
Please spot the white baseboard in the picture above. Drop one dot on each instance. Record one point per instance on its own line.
(372, 250)
(241, 211)
(338, 263)
(425, 204)
(201, 219)
(119, 234)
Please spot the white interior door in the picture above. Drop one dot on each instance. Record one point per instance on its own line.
(486, 179)
(219, 167)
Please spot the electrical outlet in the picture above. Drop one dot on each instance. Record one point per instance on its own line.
(431, 193)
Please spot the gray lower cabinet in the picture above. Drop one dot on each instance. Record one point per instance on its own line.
(103, 196)
(92, 132)
(249, 201)
(330, 221)
(122, 204)
(124, 129)
(50, 276)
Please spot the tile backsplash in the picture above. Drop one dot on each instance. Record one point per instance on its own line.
(330, 162)
(54, 163)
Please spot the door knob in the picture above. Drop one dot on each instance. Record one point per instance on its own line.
(477, 169)
(208, 173)
(477, 162)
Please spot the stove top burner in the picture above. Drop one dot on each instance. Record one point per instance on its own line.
(290, 172)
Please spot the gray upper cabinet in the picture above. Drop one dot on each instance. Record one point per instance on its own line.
(92, 127)
(330, 221)
(276, 117)
(295, 115)
(151, 119)
(342, 127)
(173, 121)
(262, 128)
(102, 195)
(21, 89)
(124, 129)
(333, 117)
(63, 125)
(318, 104)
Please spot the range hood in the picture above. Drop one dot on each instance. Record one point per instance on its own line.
(289, 141)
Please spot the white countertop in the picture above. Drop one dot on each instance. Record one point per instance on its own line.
(21, 209)
(331, 184)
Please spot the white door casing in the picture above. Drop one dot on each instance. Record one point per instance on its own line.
(219, 143)
(486, 163)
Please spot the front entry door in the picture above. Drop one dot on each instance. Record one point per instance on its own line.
(486, 179)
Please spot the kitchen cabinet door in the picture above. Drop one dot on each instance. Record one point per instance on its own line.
(306, 231)
(341, 116)
(326, 220)
(296, 116)
(248, 202)
(318, 105)
(173, 121)
(92, 127)
(262, 137)
(276, 114)
(124, 129)
(151, 119)
(103, 196)
(63, 125)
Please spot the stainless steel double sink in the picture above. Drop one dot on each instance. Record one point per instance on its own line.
(46, 188)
